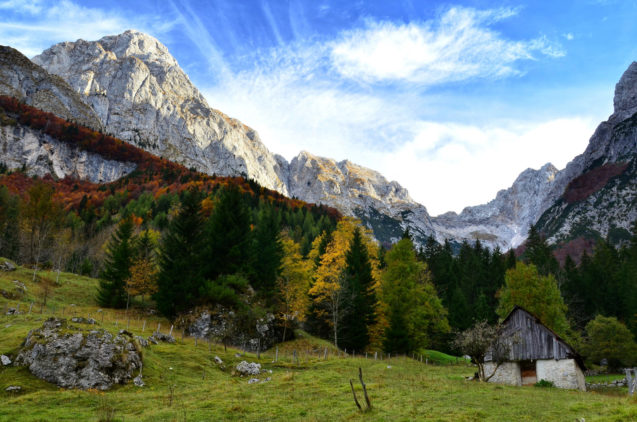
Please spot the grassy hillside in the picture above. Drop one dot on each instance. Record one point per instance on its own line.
(312, 389)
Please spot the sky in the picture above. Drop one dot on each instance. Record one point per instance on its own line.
(451, 99)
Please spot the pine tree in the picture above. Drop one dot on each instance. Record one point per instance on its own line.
(120, 254)
(180, 262)
(359, 296)
(539, 253)
(266, 254)
(9, 224)
(227, 236)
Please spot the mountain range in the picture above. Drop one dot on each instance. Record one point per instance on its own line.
(130, 86)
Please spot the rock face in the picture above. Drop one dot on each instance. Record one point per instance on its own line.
(504, 221)
(73, 357)
(23, 79)
(599, 187)
(384, 206)
(142, 96)
(40, 154)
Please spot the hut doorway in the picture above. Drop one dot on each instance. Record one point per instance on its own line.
(528, 372)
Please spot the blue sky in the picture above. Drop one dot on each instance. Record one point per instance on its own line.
(451, 99)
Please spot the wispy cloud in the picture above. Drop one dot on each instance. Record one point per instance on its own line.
(457, 46)
(33, 25)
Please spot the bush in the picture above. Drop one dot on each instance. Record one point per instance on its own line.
(608, 338)
(544, 384)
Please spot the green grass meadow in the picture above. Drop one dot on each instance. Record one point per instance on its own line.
(184, 384)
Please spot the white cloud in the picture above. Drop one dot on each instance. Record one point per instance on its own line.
(41, 23)
(296, 100)
(451, 166)
(569, 36)
(457, 46)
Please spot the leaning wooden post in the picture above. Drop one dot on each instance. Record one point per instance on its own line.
(276, 354)
(143, 326)
(158, 326)
(30, 306)
(360, 377)
(325, 353)
(171, 330)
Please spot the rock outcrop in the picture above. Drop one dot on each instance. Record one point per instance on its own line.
(39, 154)
(142, 96)
(598, 189)
(504, 221)
(26, 81)
(71, 356)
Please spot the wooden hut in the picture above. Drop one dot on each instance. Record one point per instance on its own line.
(535, 353)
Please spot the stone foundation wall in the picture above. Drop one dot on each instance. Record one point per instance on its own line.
(508, 373)
(563, 373)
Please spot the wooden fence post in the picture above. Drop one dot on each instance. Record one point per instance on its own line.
(171, 331)
(158, 326)
(325, 353)
(276, 354)
(143, 326)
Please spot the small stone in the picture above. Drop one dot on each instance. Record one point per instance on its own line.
(388, 366)
(218, 360)
(253, 380)
(13, 388)
(81, 320)
(152, 339)
(5, 360)
(138, 381)
(142, 341)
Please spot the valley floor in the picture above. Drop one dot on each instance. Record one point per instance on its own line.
(183, 382)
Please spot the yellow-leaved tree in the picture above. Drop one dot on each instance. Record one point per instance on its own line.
(293, 283)
(329, 276)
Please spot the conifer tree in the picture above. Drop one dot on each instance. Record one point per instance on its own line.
(120, 254)
(227, 236)
(359, 312)
(266, 253)
(180, 262)
(9, 224)
(539, 253)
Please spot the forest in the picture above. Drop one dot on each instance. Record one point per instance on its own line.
(177, 240)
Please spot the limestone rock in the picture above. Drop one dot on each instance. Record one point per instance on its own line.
(72, 357)
(23, 79)
(41, 155)
(13, 389)
(248, 368)
(141, 95)
(6, 265)
(138, 381)
(166, 338)
(5, 360)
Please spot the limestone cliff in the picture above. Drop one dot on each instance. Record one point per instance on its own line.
(26, 81)
(39, 154)
(142, 96)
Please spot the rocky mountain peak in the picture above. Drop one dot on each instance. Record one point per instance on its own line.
(625, 100)
(142, 96)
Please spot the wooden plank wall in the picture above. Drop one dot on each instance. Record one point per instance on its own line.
(532, 340)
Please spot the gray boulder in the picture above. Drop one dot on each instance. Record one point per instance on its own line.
(248, 368)
(73, 357)
(6, 265)
(5, 360)
(157, 337)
